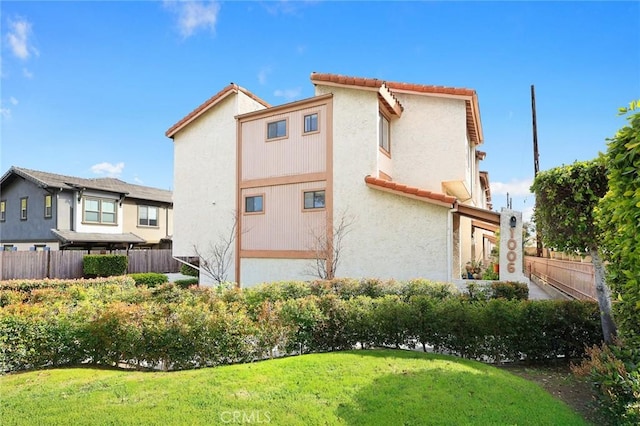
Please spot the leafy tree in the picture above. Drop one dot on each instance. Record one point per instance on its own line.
(619, 217)
(566, 197)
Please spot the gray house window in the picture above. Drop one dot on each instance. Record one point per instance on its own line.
(23, 208)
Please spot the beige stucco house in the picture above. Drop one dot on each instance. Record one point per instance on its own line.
(384, 174)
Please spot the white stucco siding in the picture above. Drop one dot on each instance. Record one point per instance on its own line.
(428, 141)
(256, 271)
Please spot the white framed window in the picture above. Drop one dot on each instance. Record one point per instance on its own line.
(277, 129)
(311, 123)
(254, 204)
(100, 210)
(23, 208)
(147, 216)
(314, 199)
(3, 211)
(48, 206)
(384, 137)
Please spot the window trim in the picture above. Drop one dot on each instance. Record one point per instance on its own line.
(24, 208)
(157, 225)
(244, 204)
(99, 200)
(286, 129)
(381, 116)
(314, 209)
(48, 214)
(3, 210)
(304, 122)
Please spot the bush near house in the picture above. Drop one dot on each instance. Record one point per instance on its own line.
(113, 321)
(189, 270)
(150, 279)
(104, 265)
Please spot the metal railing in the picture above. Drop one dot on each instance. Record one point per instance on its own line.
(575, 279)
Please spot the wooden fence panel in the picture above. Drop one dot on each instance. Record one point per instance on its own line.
(577, 279)
(67, 264)
(23, 264)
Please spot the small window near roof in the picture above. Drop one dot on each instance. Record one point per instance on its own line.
(147, 216)
(23, 208)
(311, 123)
(253, 204)
(314, 200)
(384, 136)
(277, 129)
(3, 211)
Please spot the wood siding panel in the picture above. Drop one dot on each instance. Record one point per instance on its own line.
(296, 154)
(284, 225)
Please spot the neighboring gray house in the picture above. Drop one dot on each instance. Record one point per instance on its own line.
(47, 211)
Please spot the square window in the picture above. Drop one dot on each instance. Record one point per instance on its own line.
(147, 216)
(48, 211)
(253, 204)
(97, 210)
(314, 200)
(311, 123)
(277, 129)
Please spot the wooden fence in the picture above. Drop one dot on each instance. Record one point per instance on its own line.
(576, 279)
(67, 264)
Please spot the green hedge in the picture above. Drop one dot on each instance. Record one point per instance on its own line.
(111, 322)
(104, 265)
(188, 270)
(186, 283)
(150, 279)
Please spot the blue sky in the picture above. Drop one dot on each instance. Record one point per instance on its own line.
(89, 88)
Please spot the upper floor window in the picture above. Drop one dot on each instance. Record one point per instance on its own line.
(314, 200)
(98, 210)
(277, 129)
(23, 208)
(3, 211)
(311, 123)
(384, 136)
(254, 204)
(48, 210)
(147, 216)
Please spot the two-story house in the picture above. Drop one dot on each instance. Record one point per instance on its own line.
(384, 175)
(47, 211)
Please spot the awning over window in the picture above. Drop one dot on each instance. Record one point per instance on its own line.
(72, 238)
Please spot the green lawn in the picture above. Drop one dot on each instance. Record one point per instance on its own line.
(381, 387)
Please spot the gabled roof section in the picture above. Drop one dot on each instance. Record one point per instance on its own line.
(209, 103)
(410, 191)
(474, 126)
(56, 181)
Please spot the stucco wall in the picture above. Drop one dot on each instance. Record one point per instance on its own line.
(204, 181)
(257, 271)
(152, 234)
(390, 236)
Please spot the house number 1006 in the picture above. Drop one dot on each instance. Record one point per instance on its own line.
(511, 254)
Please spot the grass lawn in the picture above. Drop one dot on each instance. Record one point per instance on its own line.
(381, 387)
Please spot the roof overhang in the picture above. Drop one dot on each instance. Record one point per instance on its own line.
(457, 188)
(410, 192)
(476, 213)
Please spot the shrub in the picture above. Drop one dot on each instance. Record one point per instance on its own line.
(422, 287)
(150, 279)
(104, 265)
(186, 283)
(509, 290)
(616, 382)
(189, 270)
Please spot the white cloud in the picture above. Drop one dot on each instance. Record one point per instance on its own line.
(27, 73)
(262, 74)
(13, 100)
(5, 112)
(18, 39)
(111, 170)
(288, 94)
(515, 188)
(137, 180)
(193, 15)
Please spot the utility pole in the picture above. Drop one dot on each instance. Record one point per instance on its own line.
(536, 156)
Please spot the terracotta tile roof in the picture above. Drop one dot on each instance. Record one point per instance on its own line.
(473, 114)
(231, 88)
(411, 191)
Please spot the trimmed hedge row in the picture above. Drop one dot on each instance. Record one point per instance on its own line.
(104, 265)
(113, 323)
